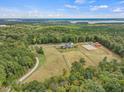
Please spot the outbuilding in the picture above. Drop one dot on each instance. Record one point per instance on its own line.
(68, 45)
(97, 44)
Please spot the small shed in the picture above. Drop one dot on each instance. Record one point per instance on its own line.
(98, 45)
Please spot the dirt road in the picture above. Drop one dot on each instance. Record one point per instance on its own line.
(29, 73)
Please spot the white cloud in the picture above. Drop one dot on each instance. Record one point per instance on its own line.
(33, 13)
(84, 1)
(58, 15)
(70, 6)
(118, 10)
(93, 1)
(60, 9)
(94, 8)
(121, 2)
(16, 13)
(36, 13)
(80, 1)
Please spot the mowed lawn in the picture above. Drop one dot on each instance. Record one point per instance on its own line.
(57, 59)
(53, 65)
(73, 56)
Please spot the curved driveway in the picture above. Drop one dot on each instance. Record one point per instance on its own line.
(29, 73)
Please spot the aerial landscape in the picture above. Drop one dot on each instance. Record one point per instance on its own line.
(55, 52)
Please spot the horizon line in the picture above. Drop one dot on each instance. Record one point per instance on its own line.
(67, 18)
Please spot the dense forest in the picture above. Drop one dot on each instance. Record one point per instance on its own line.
(16, 58)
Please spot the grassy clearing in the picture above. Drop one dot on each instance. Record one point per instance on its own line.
(55, 60)
(76, 56)
(53, 65)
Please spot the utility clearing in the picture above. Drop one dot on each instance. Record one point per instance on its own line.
(58, 59)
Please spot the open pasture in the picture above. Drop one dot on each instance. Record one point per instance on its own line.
(53, 65)
(58, 59)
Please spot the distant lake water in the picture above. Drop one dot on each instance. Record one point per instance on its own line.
(71, 20)
(98, 21)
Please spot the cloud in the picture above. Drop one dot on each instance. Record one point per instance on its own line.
(9, 12)
(60, 9)
(121, 2)
(70, 6)
(84, 1)
(80, 1)
(118, 10)
(93, 1)
(95, 8)
(16, 13)
(58, 15)
(31, 13)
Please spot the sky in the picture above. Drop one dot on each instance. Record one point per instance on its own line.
(61, 8)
